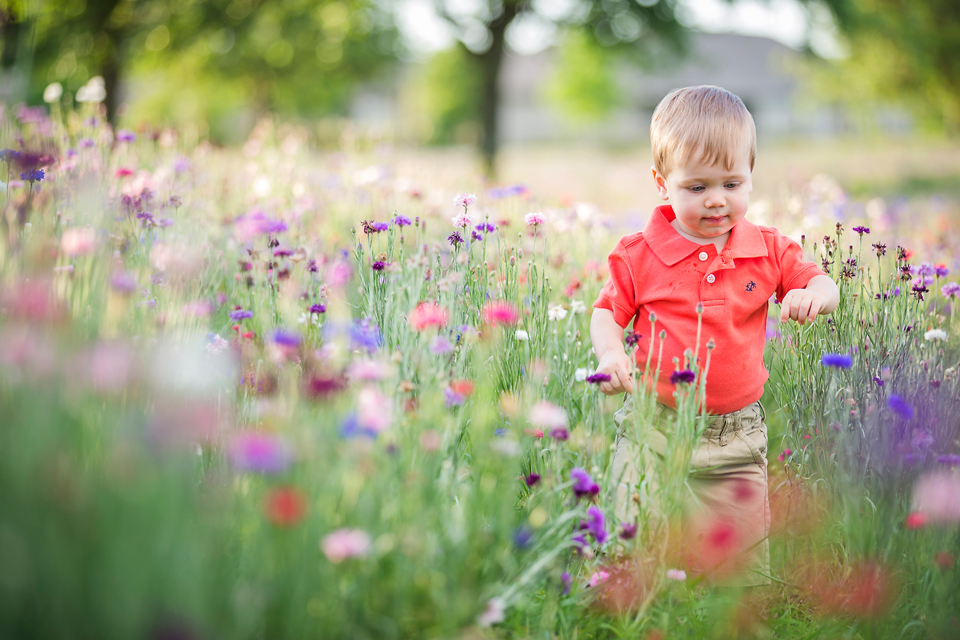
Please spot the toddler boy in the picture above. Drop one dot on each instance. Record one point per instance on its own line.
(699, 248)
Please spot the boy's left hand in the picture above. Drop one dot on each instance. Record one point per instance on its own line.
(801, 305)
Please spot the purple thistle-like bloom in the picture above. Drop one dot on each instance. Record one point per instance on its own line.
(900, 406)
(862, 230)
(583, 484)
(312, 266)
(559, 433)
(259, 452)
(125, 135)
(123, 282)
(950, 290)
(532, 479)
(486, 227)
(402, 221)
(282, 252)
(364, 335)
(476, 236)
(941, 270)
(7, 155)
(595, 524)
(951, 459)
(317, 309)
(878, 380)
(240, 314)
(684, 376)
(628, 531)
(35, 175)
(455, 238)
(597, 378)
(286, 338)
(379, 226)
(633, 339)
(837, 360)
(379, 265)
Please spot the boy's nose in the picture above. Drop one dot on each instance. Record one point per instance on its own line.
(715, 199)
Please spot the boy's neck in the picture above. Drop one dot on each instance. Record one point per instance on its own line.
(719, 242)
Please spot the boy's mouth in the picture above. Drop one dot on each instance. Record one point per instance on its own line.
(715, 219)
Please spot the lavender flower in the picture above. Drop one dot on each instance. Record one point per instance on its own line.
(597, 378)
(240, 314)
(595, 524)
(285, 338)
(583, 484)
(364, 335)
(950, 290)
(402, 221)
(900, 406)
(34, 175)
(684, 376)
(628, 531)
(123, 282)
(455, 239)
(125, 135)
(837, 360)
(259, 452)
(317, 309)
(951, 459)
(476, 236)
(486, 227)
(862, 230)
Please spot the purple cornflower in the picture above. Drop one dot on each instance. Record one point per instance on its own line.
(532, 479)
(597, 378)
(559, 433)
(950, 290)
(34, 175)
(125, 135)
(285, 338)
(951, 459)
(282, 252)
(595, 524)
(837, 360)
(501, 432)
(312, 266)
(441, 346)
(317, 309)
(123, 282)
(628, 531)
(259, 452)
(379, 265)
(862, 230)
(941, 270)
(684, 376)
(522, 538)
(486, 227)
(364, 335)
(380, 226)
(878, 380)
(454, 399)
(402, 221)
(900, 406)
(583, 484)
(476, 236)
(240, 314)
(455, 239)
(633, 339)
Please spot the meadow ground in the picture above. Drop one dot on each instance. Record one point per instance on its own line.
(274, 392)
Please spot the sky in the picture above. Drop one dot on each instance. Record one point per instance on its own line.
(782, 20)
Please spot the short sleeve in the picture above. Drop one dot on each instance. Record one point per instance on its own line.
(795, 272)
(619, 293)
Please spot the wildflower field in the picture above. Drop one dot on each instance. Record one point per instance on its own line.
(279, 393)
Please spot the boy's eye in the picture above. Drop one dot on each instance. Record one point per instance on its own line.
(732, 185)
(696, 189)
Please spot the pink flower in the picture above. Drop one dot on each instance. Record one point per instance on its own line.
(786, 454)
(462, 220)
(676, 574)
(464, 200)
(599, 577)
(533, 218)
(500, 313)
(345, 543)
(374, 412)
(547, 415)
(936, 495)
(78, 241)
(427, 315)
(493, 613)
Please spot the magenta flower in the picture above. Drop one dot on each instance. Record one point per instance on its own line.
(583, 484)
(532, 479)
(259, 452)
(595, 524)
(597, 378)
(533, 219)
(559, 433)
(628, 531)
(240, 314)
(125, 135)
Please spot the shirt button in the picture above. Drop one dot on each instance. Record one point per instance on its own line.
(703, 256)
(711, 278)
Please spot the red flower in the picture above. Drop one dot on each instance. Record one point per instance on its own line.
(916, 520)
(285, 506)
(944, 560)
(123, 172)
(461, 387)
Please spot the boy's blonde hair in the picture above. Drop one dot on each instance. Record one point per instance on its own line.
(707, 122)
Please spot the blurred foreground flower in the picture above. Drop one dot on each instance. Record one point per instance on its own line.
(900, 406)
(936, 495)
(493, 613)
(583, 484)
(426, 315)
(345, 543)
(259, 452)
(497, 313)
(547, 415)
(78, 241)
(837, 360)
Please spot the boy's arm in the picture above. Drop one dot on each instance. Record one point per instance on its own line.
(607, 338)
(821, 296)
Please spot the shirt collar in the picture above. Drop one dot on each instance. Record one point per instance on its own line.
(746, 239)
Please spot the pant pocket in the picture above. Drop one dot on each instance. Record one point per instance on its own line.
(755, 442)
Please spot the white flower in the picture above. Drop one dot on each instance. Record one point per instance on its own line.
(577, 307)
(217, 345)
(493, 614)
(935, 334)
(521, 335)
(303, 318)
(53, 92)
(556, 312)
(547, 415)
(464, 200)
(94, 91)
(677, 574)
(581, 374)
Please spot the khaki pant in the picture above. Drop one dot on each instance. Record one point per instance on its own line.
(726, 515)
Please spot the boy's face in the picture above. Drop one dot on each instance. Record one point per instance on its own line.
(708, 200)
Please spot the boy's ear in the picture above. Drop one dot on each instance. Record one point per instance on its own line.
(661, 183)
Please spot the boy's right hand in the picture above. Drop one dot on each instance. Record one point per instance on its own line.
(616, 364)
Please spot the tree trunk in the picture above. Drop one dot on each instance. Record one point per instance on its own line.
(490, 62)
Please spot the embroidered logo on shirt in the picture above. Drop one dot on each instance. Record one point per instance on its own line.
(751, 285)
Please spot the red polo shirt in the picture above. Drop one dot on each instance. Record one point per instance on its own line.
(660, 271)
